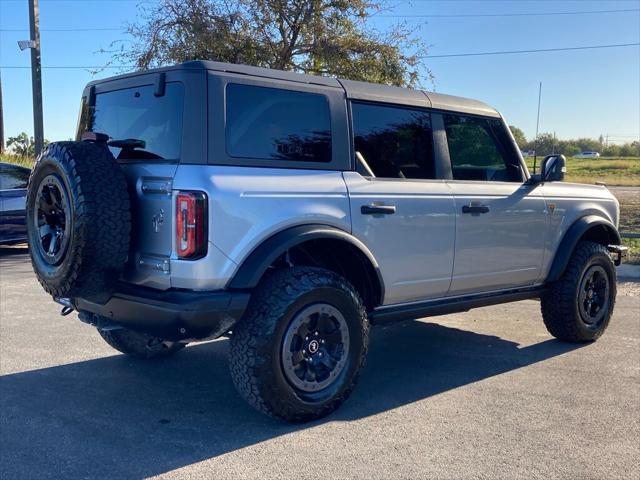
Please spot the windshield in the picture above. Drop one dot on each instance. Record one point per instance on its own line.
(139, 124)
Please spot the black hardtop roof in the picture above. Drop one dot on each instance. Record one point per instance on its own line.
(354, 89)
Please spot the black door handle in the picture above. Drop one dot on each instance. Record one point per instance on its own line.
(378, 209)
(475, 209)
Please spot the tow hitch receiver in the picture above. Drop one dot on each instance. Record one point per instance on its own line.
(67, 305)
(618, 252)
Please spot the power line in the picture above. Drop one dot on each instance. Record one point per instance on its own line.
(88, 67)
(476, 1)
(94, 1)
(102, 29)
(524, 14)
(453, 15)
(471, 54)
(537, 50)
(398, 1)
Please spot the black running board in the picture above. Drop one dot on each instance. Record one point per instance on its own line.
(444, 306)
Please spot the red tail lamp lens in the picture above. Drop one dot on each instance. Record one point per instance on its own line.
(191, 225)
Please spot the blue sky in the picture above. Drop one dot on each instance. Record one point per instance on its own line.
(585, 93)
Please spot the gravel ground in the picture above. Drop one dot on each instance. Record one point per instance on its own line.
(486, 394)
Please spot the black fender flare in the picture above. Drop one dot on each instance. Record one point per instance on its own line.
(256, 263)
(568, 243)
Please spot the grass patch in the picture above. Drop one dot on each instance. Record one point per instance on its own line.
(629, 211)
(634, 250)
(612, 171)
(17, 160)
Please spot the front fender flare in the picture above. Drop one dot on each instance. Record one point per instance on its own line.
(579, 228)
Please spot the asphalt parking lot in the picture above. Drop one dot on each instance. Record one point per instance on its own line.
(485, 394)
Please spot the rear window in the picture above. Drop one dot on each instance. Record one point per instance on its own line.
(146, 126)
(277, 124)
(395, 142)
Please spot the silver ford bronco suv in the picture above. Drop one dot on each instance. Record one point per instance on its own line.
(291, 212)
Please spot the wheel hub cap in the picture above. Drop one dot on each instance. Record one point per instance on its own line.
(315, 347)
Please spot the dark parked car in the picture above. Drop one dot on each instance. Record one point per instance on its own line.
(13, 195)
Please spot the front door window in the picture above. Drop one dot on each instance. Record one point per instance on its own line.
(478, 152)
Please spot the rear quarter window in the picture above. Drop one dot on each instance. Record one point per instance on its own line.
(137, 114)
(277, 124)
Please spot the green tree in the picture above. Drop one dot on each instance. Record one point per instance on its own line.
(630, 149)
(587, 144)
(20, 144)
(611, 151)
(544, 145)
(519, 136)
(23, 145)
(321, 37)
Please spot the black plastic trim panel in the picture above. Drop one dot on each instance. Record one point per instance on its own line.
(571, 239)
(256, 264)
(171, 314)
(445, 306)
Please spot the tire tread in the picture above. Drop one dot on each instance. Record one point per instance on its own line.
(102, 219)
(252, 336)
(558, 303)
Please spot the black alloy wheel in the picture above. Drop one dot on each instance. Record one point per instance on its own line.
(593, 295)
(52, 218)
(315, 347)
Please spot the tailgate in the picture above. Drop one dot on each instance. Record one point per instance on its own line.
(152, 228)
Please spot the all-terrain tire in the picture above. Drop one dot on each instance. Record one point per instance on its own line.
(256, 362)
(560, 304)
(139, 345)
(94, 242)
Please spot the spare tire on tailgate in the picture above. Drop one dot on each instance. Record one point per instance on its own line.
(78, 220)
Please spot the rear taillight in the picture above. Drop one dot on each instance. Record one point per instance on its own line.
(191, 225)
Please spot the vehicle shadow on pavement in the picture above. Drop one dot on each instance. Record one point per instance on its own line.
(15, 257)
(116, 417)
(18, 249)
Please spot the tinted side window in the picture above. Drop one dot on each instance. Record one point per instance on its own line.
(137, 114)
(395, 142)
(277, 124)
(477, 150)
(12, 177)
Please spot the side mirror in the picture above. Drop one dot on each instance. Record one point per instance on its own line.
(553, 168)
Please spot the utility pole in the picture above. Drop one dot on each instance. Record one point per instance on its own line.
(36, 75)
(535, 142)
(1, 120)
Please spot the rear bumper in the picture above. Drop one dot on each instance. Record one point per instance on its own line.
(171, 314)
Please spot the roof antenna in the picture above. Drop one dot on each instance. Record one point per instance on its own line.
(535, 142)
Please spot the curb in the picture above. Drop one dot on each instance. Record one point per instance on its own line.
(628, 273)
